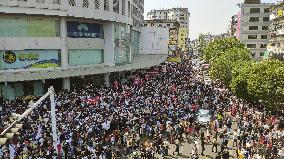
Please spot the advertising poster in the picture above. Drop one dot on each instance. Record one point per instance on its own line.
(25, 59)
(84, 30)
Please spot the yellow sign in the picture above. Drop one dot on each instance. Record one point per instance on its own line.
(279, 12)
(174, 59)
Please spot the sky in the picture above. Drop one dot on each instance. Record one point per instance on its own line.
(205, 15)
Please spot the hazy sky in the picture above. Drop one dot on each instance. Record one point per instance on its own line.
(205, 15)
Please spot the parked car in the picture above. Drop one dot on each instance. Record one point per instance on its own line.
(203, 116)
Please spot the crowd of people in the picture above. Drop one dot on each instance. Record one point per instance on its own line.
(142, 120)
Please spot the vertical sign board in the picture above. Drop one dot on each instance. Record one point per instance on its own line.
(239, 25)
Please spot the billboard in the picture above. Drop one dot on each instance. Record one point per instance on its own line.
(25, 59)
(84, 30)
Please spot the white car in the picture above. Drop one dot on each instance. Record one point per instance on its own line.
(203, 116)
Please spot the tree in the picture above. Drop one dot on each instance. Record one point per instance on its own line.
(265, 83)
(221, 67)
(239, 83)
(218, 47)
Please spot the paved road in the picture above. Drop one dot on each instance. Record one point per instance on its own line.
(208, 154)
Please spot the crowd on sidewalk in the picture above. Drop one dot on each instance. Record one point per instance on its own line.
(142, 119)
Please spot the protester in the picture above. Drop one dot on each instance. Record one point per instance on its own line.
(145, 117)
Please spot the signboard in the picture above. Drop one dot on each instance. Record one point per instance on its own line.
(279, 12)
(84, 30)
(174, 59)
(25, 59)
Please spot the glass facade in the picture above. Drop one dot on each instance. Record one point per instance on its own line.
(122, 44)
(135, 42)
(28, 27)
(86, 57)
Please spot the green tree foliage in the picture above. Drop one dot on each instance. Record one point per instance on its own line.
(265, 82)
(221, 67)
(218, 47)
(239, 83)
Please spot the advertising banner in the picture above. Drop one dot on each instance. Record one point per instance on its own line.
(84, 30)
(25, 59)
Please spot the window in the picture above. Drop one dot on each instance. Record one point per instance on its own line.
(116, 6)
(254, 10)
(253, 27)
(160, 25)
(97, 4)
(29, 27)
(85, 4)
(145, 25)
(263, 36)
(123, 7)
(252, 36)
(128, 8)
(264, 27)
(56, 1)
(266, 10)
(72, 2)
(152, 24)
(168, 25)
(106, 5)
(251, 45)
(265, 19)
(263, 45)
(261, 54)
(254, 19)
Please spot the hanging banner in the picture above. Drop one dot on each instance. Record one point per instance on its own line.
(25, 59)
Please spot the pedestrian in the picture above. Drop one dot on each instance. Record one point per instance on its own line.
(215, 145)
(177, 146)
(235, 138)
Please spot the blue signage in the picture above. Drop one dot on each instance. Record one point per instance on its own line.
(84, 30)
(25, 59)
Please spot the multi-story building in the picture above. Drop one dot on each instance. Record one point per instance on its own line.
(173, 27)
(55, 42)
(157, 15)
(276, 30)
(180, 15)
(254, 27)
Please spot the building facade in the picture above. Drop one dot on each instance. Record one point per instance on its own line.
(157, 43)
(181, 15)
(254, 27)
(50, 42)
(276, 30)
(173, 27)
